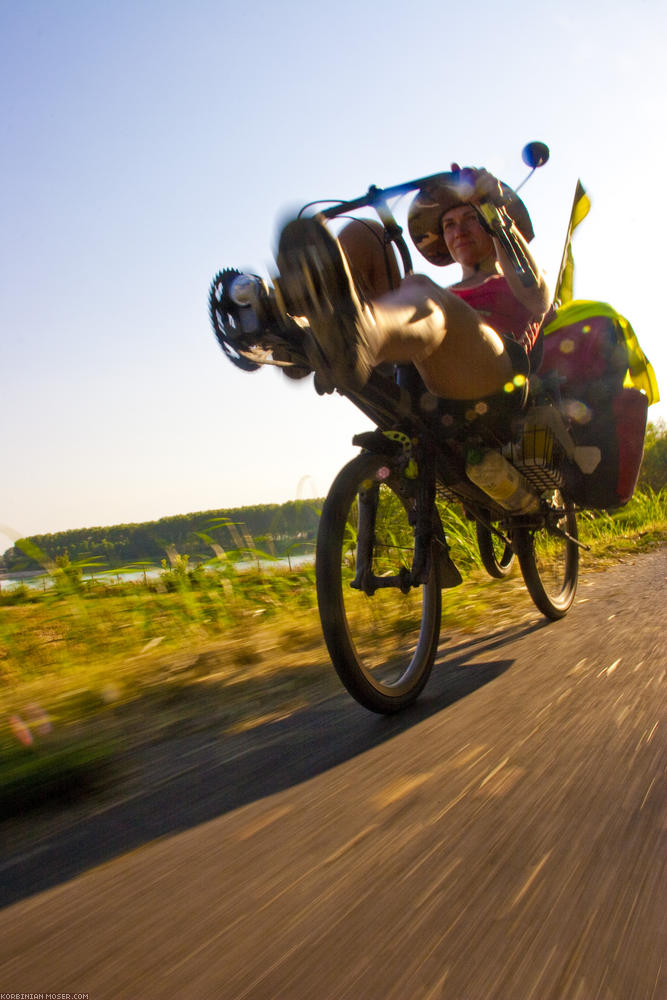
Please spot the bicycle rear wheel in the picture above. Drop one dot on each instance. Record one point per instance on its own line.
(549, 559)
(497, 557)
(383, 644)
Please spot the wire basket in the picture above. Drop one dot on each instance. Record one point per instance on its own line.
(539, 457)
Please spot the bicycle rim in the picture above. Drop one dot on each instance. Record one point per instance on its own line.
(550, 561)
(497, 557)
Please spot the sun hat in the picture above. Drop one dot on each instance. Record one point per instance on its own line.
(445, 191)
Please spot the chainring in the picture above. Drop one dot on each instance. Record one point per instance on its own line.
(226, 322)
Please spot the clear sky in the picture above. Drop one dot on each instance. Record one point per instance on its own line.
(148, 143)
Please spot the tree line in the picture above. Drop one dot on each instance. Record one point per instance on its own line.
(272, 528)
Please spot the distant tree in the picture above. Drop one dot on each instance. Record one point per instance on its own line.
(192, 535)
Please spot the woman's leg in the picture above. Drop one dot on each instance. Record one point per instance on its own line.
(419, 322)
(457, 355)
(372, 261)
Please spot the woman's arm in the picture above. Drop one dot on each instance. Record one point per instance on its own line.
(483, 186)
(536, 298)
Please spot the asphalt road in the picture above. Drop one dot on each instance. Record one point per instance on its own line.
(505, 838)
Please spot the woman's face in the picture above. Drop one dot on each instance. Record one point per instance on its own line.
(468, 243)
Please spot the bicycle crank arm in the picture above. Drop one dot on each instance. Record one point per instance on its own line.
(571, 538)
(496, 532)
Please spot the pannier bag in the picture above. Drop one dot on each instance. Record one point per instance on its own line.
(604, 385)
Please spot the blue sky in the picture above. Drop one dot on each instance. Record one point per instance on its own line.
(147, 144)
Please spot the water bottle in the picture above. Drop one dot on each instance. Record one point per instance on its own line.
(500, 480)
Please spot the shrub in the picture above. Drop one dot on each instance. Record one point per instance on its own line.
(653, 473)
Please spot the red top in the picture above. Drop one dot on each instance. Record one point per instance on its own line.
(499, 309)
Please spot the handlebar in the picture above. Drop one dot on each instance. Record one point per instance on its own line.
(495, 217)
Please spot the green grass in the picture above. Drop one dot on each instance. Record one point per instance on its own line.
(90, 669)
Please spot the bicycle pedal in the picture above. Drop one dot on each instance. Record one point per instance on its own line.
(377, 443)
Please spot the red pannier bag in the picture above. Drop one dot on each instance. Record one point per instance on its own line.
(595, 368)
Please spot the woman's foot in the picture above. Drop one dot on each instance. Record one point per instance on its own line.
(315, 282)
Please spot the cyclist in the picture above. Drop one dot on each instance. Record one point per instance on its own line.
(470, 342)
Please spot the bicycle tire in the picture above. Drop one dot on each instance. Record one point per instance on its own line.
(382, 646)
(497, 564)
(549, 562)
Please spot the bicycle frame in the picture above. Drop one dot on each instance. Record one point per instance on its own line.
(434, 463)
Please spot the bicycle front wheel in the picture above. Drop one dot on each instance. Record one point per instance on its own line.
(549, 558)
(382, 644)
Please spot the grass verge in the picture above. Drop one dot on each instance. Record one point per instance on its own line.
(58, 775)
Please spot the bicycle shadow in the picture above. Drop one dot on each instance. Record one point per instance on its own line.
(226, 774)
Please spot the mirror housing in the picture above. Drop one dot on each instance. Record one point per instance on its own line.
(535, 154)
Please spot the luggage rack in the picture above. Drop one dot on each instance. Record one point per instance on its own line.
(536, 453)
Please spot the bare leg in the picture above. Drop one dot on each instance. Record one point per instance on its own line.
(372, 261)
(457, 355)
(418, 322)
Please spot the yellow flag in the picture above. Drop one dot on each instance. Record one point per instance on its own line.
(564, 285)
(640, 373)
